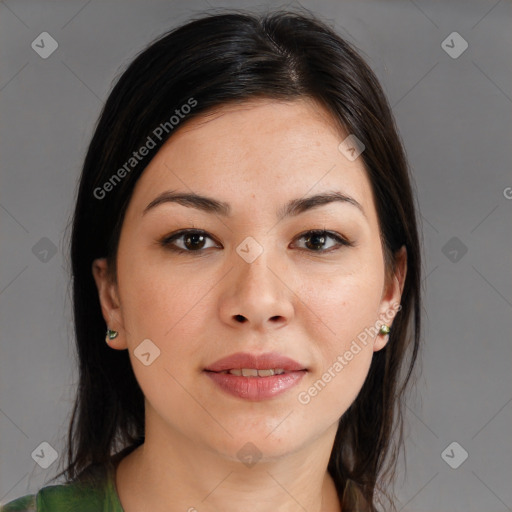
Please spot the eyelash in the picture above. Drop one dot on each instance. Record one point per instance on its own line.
(166, 242)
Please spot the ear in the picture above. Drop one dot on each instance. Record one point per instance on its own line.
(392, 295)
(109, 300)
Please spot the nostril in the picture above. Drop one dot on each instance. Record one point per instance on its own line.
(240, 318)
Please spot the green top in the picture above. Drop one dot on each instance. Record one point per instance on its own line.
(97, 496)
(100, 495)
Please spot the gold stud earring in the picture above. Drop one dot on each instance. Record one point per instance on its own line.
(110, 335)
(384, 329)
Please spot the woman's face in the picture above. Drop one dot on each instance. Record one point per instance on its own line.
(256, 281)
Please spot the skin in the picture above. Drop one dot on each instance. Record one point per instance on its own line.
(302, 303)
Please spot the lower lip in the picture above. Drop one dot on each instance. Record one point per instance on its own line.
(256, 388)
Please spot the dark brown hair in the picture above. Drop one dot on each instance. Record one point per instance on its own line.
(219, 59)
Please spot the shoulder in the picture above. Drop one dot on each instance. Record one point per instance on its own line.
(94, 490)
(24, 504)
(67, 497)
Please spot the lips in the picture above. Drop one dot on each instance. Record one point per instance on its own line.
(247, 361)
(256, 377)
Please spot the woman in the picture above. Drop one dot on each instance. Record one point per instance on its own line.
(245, 234)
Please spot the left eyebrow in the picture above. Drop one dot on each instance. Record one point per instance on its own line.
(297, 206)
(210, 205)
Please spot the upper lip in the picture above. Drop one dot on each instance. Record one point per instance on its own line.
(265, 361)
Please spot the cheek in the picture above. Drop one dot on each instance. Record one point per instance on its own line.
(171, 312)
(344, 349)
(160, 301)
(338, 309)
(339, 315)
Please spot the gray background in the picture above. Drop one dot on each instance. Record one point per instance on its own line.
(454, 115)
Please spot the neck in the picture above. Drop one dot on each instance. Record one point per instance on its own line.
(181, 475)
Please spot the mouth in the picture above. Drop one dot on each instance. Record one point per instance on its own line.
(253, 372)
(255, 385)
(256, 377)
(244, 364)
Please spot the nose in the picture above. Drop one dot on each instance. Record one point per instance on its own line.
(256, 295)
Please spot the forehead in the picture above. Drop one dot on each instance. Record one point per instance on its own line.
(263, 127)
(259, 149)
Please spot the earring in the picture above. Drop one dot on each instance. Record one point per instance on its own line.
(384, 329)
(110, 335)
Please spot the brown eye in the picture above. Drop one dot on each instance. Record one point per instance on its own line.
(191, 240)
(315, 241)
(318, 241)
(194, 241)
